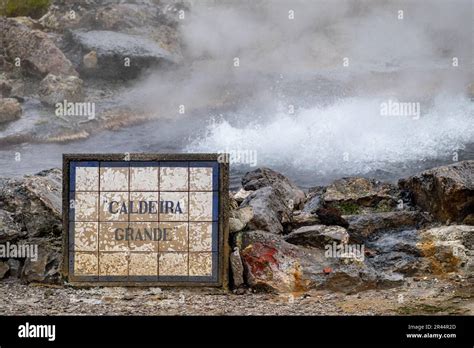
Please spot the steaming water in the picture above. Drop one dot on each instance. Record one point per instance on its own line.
(313, 146)
(337, 128)
(349, 137)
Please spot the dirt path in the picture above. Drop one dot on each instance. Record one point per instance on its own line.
(418, 296)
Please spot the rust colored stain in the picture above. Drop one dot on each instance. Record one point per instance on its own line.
(259, 257)
(438, 267)
(327, 270)
(300, 285)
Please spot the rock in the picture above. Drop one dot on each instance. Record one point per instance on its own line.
(269, 210)
(239, 218)
(5, 87)
(362, 226)
(397, 262)
(356, 195)
(15, 267)
(34, 202)
(9, 229)
(119, 55)
(3, 269)
(46, 269)
(28, 22)
(446, 192)
(118, 17)
(273, 264)
(240, 195)
(318, 236)
(300, 219)
(265, 177)
(270, 264)
(30, 213)
(468, 220)
(396, 251)
(90, 60)
(448, 249)
(59, 18)
(470, 91)
(313, 200)
(10, 110)
(237, 268)
(38, 54)
(331, 216)
(56, 89)
(232, 202)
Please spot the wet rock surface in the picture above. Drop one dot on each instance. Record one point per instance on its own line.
(58, 89)
(10, 110)
(119, 55)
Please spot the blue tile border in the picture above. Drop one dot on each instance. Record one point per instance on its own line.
(215, 237)
(174, 164)
(144, 164)
(114, 164)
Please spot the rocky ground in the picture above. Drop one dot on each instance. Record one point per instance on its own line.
(417, 257)
(430, 296)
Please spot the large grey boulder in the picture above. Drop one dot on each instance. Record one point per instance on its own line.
(265, 177)
(38, 54)
(355, 195)
(363, 226)
(273, 264)
(35, 202)
(446, 192)
(119, 55)
(269, 210)
(10, 230)
(30, 213)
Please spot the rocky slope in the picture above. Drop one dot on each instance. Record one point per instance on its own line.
(278, 243)
(78, 52)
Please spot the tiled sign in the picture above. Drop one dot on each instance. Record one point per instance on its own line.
(145, 219)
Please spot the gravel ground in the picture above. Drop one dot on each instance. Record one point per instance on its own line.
(416, 296)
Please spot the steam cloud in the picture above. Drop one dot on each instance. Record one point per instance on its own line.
(299, 62)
